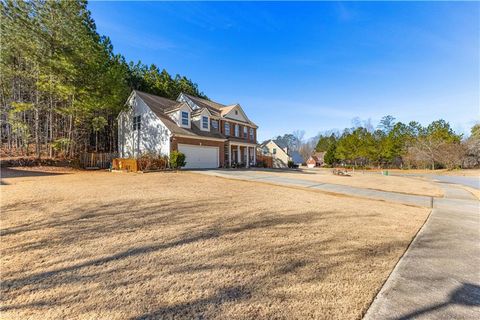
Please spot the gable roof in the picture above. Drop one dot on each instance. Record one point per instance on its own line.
(280, 145)
(217, 109)
(204, 102)
(156, 102)
(160, 105)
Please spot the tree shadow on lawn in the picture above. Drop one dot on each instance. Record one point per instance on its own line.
(19, 173)
(100, 221)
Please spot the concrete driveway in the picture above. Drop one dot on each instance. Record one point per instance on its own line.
(439, 275)
(259, 176)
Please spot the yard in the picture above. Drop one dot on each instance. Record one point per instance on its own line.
(99, 245)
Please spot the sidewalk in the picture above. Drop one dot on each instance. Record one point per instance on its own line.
(439, 275)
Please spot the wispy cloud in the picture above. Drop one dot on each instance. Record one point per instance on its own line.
(144, 40)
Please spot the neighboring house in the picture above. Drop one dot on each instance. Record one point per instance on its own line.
(210, 134)
(316, 160)
(280, 153)
(297, 158)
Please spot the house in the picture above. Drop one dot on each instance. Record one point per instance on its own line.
(210, 134)
(316, 160)
(280, 153)
(297, 158)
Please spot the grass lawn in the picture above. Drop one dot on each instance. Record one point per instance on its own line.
(98, 245)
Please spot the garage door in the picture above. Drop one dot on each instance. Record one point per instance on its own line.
(199, 157)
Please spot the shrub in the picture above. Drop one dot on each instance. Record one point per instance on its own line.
(291, 164)
(177, 160)
(152, 161)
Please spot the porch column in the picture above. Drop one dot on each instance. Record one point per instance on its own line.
(229, 154)
(238, 154)
(248, 157)
(254, 156)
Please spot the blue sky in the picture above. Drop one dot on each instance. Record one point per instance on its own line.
(312, 66)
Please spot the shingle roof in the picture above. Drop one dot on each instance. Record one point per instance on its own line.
(279, 144)
(205, 103)
(160, 105)
(156, 102)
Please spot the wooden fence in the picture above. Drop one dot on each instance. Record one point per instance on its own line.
(266, 160)
(96, 160)
(130, 165)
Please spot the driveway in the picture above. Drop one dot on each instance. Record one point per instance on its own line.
(285, 180)
(438, 276)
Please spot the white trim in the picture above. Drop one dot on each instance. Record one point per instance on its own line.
(251, 124)
(243, 113)
(198, 137)
(244, 144)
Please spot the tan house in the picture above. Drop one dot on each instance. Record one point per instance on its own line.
(316, 160)
(277, 151)
(210, 134)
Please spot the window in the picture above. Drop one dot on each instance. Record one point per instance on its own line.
(236, 112)
(184, 118)
(237, 130)
(227, 128)
(136, 122)
(204, 122)
(251, 134)
(274, 151)
(215, 124)
(245, 132)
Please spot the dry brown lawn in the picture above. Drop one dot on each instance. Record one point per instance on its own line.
(368, 180)
(99, 245)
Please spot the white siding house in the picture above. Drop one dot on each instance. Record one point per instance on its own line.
(148, 135)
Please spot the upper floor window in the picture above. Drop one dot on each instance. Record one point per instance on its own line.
(274, 151)
(237, 130)
(236, 112)
(204, 122)
(215, 124)
(251, 134)
(245, 132)
(137, 122)
(227, 128)
(184, 118)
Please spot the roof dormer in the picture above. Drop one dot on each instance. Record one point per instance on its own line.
(202, 119)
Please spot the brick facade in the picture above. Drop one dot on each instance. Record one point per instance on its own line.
(199, 142)
(241, 133)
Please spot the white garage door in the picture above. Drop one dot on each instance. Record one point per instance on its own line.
(199, 157)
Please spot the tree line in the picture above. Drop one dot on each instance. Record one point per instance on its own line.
(61, 84)
(395, 144)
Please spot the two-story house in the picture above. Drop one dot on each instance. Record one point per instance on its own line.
(210, 134)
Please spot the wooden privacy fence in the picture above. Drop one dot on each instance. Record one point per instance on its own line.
(96, 160)
(266, 160)
(130, 165)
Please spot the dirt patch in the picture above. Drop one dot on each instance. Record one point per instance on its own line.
(98, 245)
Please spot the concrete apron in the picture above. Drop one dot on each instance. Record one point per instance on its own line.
(438, 277)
